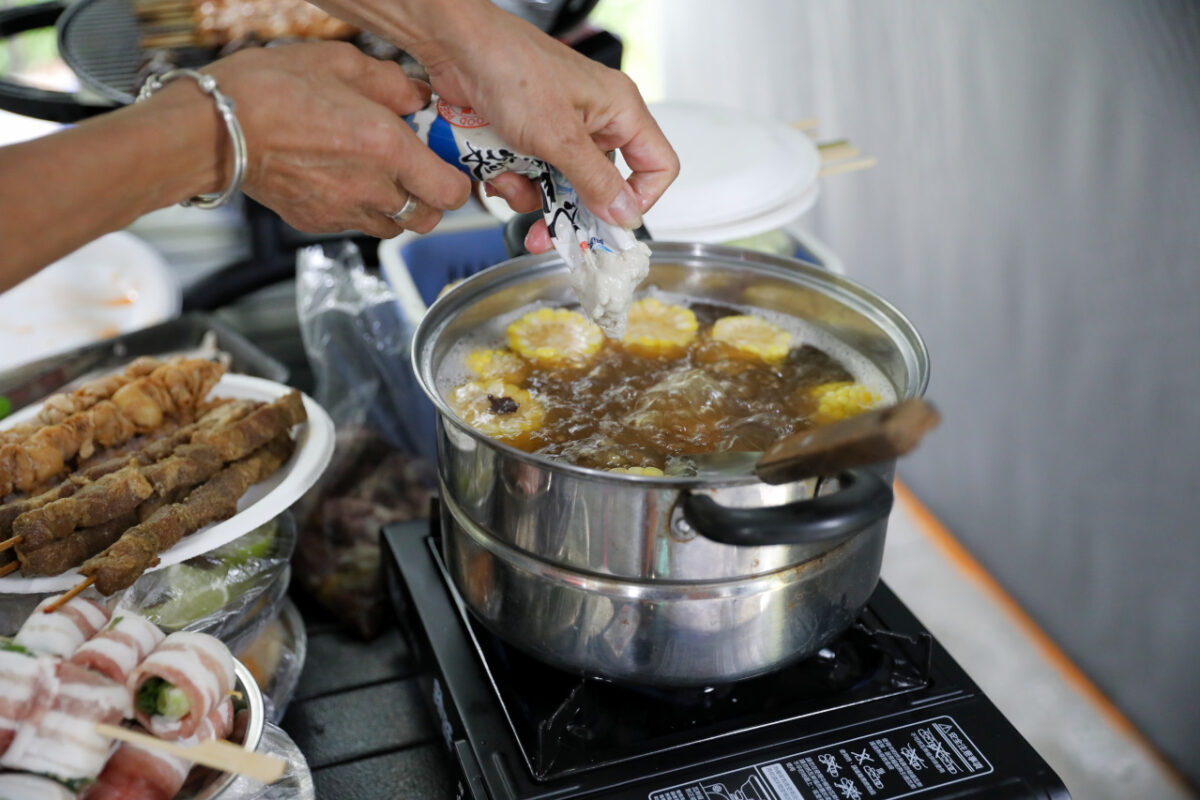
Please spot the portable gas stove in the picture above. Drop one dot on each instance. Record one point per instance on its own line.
(882, 712)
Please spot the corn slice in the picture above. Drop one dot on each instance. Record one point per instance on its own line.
(503, 364)
(498, 409)
(753, 336)
(655, 329)
(837, 401)
(653, 472)
(553, 337)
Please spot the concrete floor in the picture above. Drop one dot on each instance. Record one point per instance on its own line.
(1082, 740)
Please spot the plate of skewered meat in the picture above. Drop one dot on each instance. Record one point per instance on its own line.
(76, 669)
(148, 467)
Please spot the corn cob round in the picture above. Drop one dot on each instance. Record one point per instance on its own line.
(753, 336)
(837, 401)
(555, 337)
(658, 330)
(498, 409)
(503, 364)
(653, 472)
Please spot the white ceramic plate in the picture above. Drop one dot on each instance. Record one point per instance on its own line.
(117, 283)
(262, 502)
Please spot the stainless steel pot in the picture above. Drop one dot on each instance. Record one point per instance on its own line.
(676, 581)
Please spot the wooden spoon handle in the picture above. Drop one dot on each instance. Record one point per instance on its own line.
(879, 435)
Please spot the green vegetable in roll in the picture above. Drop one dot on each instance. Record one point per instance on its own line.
(157, 697)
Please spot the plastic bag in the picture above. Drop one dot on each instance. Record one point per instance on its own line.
(276, 658)
(296, 783)
(358, 345)
(231, 592)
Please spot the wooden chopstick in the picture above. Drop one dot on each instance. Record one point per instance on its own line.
(837, 150)
(216, 753)
(848, 166)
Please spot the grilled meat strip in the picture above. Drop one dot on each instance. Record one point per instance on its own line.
(92, 504)
(76, 547)
(138, 548)
(255, 429)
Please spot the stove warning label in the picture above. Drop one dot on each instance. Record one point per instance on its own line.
(900, 762)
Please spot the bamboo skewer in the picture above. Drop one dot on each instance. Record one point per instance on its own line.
(216, 753)
(12, 566)
(10, 542)
(70, 595)
(837, 150)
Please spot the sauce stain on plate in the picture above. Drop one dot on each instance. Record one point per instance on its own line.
(113, 285)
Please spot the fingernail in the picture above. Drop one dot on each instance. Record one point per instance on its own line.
(625, 209)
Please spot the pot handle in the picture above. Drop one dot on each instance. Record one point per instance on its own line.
(862, 499)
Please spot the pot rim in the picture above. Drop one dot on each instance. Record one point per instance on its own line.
(516, 270)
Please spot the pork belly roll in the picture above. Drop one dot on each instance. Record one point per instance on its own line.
(58, 737)
(180, 683)
(20, 786)
(120, 647)
(62, 632)
(20, 676)
(134, 773)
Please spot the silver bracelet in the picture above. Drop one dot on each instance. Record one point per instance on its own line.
(225, 106)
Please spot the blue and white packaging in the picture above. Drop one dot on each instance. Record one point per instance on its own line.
(606, 262)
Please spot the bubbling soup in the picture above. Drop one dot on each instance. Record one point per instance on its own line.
(686, 378)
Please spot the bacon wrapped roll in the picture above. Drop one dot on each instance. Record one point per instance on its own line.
(62, 632)
(20, 675)
(134, 773)
(58, 737)
(120, 647)
(180, 683)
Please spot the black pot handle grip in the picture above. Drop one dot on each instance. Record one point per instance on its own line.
(862, 499)
(30, 101)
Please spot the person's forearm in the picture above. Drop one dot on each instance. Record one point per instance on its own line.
(61, 191)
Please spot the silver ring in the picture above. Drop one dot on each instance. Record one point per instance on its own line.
(407, 210)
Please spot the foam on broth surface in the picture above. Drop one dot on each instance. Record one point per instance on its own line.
(624, 410)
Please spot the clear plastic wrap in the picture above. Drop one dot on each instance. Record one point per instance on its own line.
(358, 344)
(232, 592)
(276, 658)
(296, 783)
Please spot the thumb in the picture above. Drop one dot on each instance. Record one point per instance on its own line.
(598, 181)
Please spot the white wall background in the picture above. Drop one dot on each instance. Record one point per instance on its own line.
(1036, 212)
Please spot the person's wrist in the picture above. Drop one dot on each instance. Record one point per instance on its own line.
(457, 27)
(184, 113)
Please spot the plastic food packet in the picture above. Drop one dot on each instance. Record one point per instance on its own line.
(358, 345)
(606, 261)
(276, 658)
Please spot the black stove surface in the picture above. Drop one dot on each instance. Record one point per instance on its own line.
(882, 712)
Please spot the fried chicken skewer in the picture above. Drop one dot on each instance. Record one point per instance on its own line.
(236, 434)
(137, 406)
(57, 407)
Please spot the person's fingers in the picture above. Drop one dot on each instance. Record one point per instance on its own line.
(386, 83)
(519, 192)
(648, 154)
(598, 181)
(537, 240)
(417, 168)
(422, 218)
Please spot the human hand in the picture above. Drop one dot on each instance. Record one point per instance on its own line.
(326, 144)
(545, 99)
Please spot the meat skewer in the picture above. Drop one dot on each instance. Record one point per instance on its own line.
(76, 547)
(94, 504)
(139, 405)
(58, 407)
(251, 432)
(224, 414)
(138, 548)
